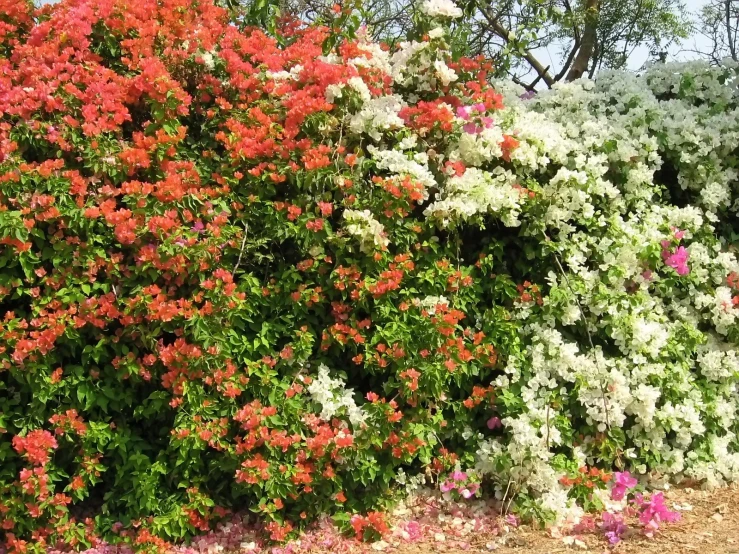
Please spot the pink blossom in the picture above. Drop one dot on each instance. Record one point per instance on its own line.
(622, 482)
(463, 112)
(470, 128)
(653, 512)
(677, 260)
(459, 475)
(494, 423)
(413, 528)
(614, 527)
(446, 486)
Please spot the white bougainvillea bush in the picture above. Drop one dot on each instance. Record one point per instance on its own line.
(302, 274)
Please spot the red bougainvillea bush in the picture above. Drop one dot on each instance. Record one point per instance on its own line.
(295, 274)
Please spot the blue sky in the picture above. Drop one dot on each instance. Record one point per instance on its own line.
(679, 53)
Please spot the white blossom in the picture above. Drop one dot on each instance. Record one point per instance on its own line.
(441, 8)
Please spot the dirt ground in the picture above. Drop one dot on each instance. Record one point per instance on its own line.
(709, 525)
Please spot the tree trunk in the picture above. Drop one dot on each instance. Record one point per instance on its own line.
(729, 39)
(589, 38)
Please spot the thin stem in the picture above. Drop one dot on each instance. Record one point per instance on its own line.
(587, 331)
(241, 252)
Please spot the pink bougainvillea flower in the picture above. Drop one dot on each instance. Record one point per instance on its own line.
(470, 128)
(459, 475)
(447, 486)
(463, 112)
(613, 527)
(511, 520)
(622, 482)
(413, 528)
(654, 511)
(494, 423)
(679, 260)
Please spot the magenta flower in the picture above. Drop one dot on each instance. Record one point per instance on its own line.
(494, 423)
(623, 481)
(511, 520)
(586, 525)
(446, 486)
(471, 128)
(614, 527)
(459, 475)
(653, 512)
(413, 528)
(677, 260)
(480, 107)
(463, 112)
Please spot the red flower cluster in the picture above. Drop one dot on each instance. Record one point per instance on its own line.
(174, 269)
(35, 446)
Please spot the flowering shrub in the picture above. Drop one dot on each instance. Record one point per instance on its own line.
(623, 503)
(286, 273)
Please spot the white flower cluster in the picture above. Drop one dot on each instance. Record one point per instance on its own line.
(335, 398)
(422, 66)
(595, 152)
(478, 192)
(362, 224)
(377, 116)
(441, 8)
(401, 164)
(619, 183)
(430, 303)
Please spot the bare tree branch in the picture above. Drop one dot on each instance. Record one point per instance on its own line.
(568, 61)
(503, 33)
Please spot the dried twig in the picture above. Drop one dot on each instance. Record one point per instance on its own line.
(241, 252)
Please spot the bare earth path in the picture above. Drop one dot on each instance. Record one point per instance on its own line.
(709, 525)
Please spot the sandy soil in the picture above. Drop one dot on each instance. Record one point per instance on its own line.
(709, 525)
